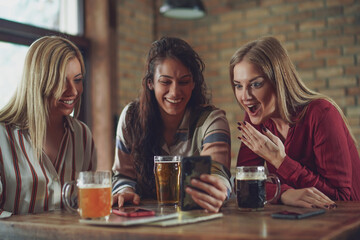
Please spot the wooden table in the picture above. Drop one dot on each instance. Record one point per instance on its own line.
(340, 223)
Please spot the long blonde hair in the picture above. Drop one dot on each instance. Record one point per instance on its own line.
(268, 54)
(43, 77)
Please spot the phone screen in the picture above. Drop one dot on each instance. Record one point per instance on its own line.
(192, 167)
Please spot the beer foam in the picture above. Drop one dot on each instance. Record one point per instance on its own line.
(250, 176)
(93, 185)
(162, 161)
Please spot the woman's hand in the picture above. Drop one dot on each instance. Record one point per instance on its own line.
(267, 145)
(307, 197)
(127, 195)
(214, 195)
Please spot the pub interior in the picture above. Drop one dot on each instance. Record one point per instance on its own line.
(321, 36)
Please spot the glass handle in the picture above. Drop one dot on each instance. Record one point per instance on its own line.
(278, 187)
(66, 196)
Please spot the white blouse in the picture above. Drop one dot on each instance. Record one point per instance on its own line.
(30, 185)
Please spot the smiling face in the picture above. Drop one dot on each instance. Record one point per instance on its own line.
(254, 92)
(173, 85)
(71, 93)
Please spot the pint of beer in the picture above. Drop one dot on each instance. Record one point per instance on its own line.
(167, 178)
(250, 187)
(94, 195)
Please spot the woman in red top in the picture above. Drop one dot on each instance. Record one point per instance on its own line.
(301, 135)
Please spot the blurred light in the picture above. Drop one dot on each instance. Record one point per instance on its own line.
(183, 9)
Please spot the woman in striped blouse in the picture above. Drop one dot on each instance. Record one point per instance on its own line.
(41, 145)
(172, 117)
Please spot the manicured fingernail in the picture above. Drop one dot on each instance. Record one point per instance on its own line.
(244, 122)
(326, 206)
(264, 129)
(313, 206)
(239, 128)
(239, 123)
(333, 206)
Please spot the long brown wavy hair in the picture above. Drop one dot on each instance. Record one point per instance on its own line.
(146, 131)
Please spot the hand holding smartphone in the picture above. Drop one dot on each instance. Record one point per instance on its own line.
(133, 212)
(192, 167)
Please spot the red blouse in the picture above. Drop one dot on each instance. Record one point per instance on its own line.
(320, 153)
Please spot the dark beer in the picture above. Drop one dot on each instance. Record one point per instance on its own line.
(251, 194)
(167, 177)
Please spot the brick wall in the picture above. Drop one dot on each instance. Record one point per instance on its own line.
(134, 34)
(322, 38)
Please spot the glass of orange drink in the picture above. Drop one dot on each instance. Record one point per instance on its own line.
(94, 195)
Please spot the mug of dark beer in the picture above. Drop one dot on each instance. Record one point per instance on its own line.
(250, 187)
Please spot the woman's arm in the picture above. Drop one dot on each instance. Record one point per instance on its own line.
(90, 157)
(246, 157)
(216, 142)
(330, 147)
(309, 197)
(3, 213)
(214, 139)
(123, 184)
(332, 158)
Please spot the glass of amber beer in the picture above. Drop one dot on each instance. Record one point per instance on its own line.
(250, 187)
(94, 195)
(167, 178)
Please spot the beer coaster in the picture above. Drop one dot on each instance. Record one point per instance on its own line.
(115, 220)
(187, 218)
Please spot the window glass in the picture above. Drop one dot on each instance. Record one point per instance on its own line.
(59, 15)
(11, 65)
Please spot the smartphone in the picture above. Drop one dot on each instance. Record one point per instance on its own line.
(297, 214)
(133, 212)
(192, 167)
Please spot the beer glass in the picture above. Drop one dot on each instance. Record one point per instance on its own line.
(250, 187)
(94, 195)
(167, 178)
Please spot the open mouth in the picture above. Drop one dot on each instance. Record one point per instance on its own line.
(253, 108)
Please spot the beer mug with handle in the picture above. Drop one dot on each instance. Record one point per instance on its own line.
(94, 195)
(250, 187)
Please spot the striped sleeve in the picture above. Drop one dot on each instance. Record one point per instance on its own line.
(3, 213)
(2, 182)
(33, 173)
(15, 163)
(123, 169)
(216, 143)
(88, 147)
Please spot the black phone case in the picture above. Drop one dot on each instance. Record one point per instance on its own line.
(300, 214)
(192, 167)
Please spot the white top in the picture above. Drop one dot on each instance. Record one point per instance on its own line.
(30, 185)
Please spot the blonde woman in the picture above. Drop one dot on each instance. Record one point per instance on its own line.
(41, 145)
(301, 135)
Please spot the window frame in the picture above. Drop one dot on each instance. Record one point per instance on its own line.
(23, 34)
